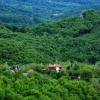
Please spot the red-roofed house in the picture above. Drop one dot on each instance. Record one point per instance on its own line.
(56, 67)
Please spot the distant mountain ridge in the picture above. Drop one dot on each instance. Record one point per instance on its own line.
(36, 11)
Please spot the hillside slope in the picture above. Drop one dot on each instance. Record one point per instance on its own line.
(25, 53)
(36, 11)
(76, 38)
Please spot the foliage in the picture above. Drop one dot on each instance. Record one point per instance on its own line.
(37, 11)
(75, 39)
(73, 42)
(47, 86)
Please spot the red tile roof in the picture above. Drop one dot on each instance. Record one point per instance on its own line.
(54, 65)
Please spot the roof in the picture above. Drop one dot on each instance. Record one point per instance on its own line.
(54, 65)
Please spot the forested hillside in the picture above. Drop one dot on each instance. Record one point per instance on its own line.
(76, 38)
(26, 51)
(37, 11)
(32, 83)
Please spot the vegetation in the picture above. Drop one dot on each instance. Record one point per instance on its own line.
(76, 39)
(72, 42)
(39, 85)
(37, 11)
(32, 83)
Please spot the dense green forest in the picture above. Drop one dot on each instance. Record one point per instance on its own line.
(37, 11)
(76, 38)
(32, 83)
(73, 42)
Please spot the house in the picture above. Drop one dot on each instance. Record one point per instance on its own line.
(14, 68)
(56, 67)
